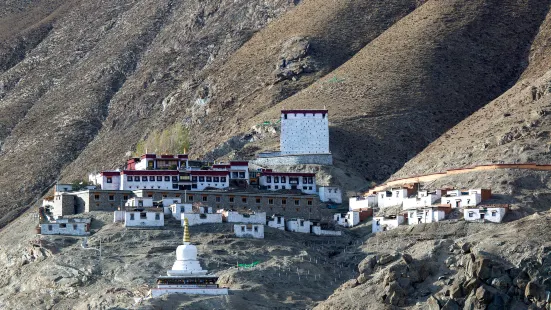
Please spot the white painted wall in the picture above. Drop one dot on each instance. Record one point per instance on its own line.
(139, 183)
(357, 203)
(304, 134)
(382, 224)
(170, 201)
(178, 208)
(316, 230)
(461, 201)
(423, 199)
(427, 215)
(494, 215)
(349, 219)
(71, 229)
(249, 231)
(118, 216)
(298, 225)
(277, 221)
(201, 218)
(330, 193)
(203, 182)
(391, 198)
(144, 219)
(303, 184)
(139, 202)
(236, 217)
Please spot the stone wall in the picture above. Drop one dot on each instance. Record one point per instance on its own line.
(290, 160)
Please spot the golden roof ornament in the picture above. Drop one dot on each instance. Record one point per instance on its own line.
(186, 231)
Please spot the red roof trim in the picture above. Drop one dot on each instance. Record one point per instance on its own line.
(239, 163)
(110, 173)
(290, 174)
(303, 111)
(218, 166)
(149, 172)
(148, 156)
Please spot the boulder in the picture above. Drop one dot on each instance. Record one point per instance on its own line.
(502, 283)
(521, 280)
(466, 248)
(471, 285)
(470, 303)
(450, 305)
(534, 290)
(432, 303)
(456, 291)
(482, 268)
(385, 259)
(394, 295)
(362, 278)
(407, 258)
(483, 295)
(367, 264)
(498, 303)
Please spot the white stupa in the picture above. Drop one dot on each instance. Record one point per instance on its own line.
(186, 275)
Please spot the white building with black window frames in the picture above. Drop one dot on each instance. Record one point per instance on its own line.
(303, 181)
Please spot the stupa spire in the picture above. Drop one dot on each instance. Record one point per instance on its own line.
(187, 238)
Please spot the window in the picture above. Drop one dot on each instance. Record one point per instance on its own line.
(125, 197)
(277, 187)
(256, 229)
(136, 179)
(49, 227)
(310, 180)
(174, 179)
(204, 198)
(149, 195)
(157, 216)
(209, 179)
(190, 197)
(167, 178)
(201, 179)
(222, 179)
(309, 187)
(283, 201)
(305, 187)
(297, 202)
(241, 175)
(234, 175)
(152, 179)
(129, 179)
(193, 185)
(276, 179)
(62, 225)
(257, 199)
(217, 198)
(471, 214)
(244, 199)
(74, 226)
(271, 201)
(216, 179)
(174, 186)
(304, 180)
(310, 202)
(96, 197)
(109, 180)
(159, 178)
(282, 186)
(131, 216)
(143, 215)
(231, 199)
(268, 179)
(242, 228)
(283, 180)
(111, 197)
(144, 179)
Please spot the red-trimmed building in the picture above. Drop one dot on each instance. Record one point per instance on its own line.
(304, 181)
(158, 162)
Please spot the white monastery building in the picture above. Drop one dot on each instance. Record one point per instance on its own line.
(276, 221)
(381, 223)
(422, 199)
(459, 199)
(304, 132)
(187, 276)
(231, 216)
(319, 229)
(178, 208)
(331, 194)
(70, 227)
(151, 217)
(249, 231)
(158, 162)
(490, 214)
(349, 219)
(362, 202)
(139, 202)
(306, 182)
(391, 198)
(425, 215)
(298, 225)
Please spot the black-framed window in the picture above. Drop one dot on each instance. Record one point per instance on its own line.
(205, 198)
(194, 179)
(244, 199)
(271, 201)
(129, 179)
(283, 201)
(268, 179)
(310, 202)
(257, 199)
(276, 179)
(216, 179)
(223, 179)
(193, 185)
(234, 175)
(201, 179)
(159, 178)
(242, 175)
(297, 202)
(167, 178)
(283, 180)
(209, 179)
(218, 199)
(151, 178)
(304, 180)
(232, 199)
(174, 179)
(144, 179)
(174, 186)
(111, 197)
(109, 180)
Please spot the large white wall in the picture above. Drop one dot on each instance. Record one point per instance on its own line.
(150, 219)
(382, 224)
(298, 225)
(425, 216)
(494, 215)
(201, 218)
(330, 193)
(138, 182)
(247, 231)
(304, 134)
